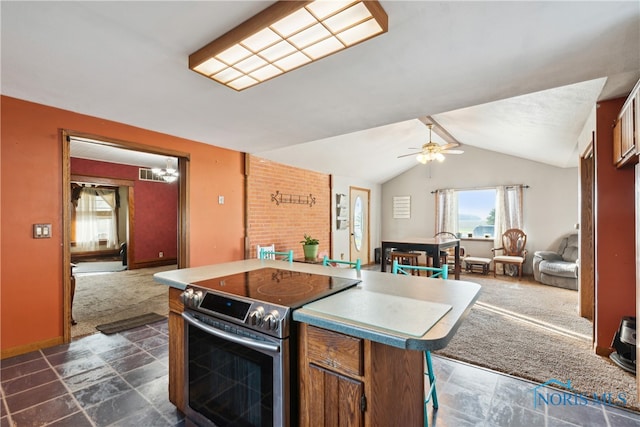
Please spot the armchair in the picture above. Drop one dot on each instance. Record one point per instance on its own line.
(559, 268)
(513, 250)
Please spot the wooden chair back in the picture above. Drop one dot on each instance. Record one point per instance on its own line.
(514, 241)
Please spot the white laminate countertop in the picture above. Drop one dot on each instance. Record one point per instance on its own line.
(460, 295)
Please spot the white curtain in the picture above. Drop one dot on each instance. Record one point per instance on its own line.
(446, 211)
(87, 220)
(109, 196)
(508, 214)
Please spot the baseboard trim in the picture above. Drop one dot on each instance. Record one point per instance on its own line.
(603, 351)
(28, 348)
(152, 263)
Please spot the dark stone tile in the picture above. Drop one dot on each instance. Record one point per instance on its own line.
(116, 409)
(26, 382)
(33, 396)
(4, 422)
(18, 370)
(146, 373)
(161, 352)
(474, 379)
(92, 376)
(100, 343)
(69, 356)
(620, 418)
(517, 392)
(45, 412)
(506, 414)
(132, 362)
(442, 368)
(588, 415)
(469, 404)
(16, 360)
(554, 422)
(146, 417)
(157, 392)
(79, 419)
(62, 348)
(140, 333)
(153, 342)
(76, 367)
(161, 326)
(101, 391)
(449, 417)
(120, 352)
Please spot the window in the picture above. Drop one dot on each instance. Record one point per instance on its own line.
(477, 212)
(94, 221)
(480, 213)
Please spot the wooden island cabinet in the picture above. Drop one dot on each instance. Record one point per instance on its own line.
(176, 349)
(348, 381)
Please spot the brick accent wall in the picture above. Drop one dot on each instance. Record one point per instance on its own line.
(285, 224)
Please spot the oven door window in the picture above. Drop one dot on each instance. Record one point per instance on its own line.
(229, 384)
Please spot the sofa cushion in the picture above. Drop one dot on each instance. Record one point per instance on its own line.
(559, 268)
(570, 251)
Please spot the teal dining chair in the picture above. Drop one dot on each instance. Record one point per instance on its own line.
(442, 272)
(354, 264)
(287, 256)
(435, 271)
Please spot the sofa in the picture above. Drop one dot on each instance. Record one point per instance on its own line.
(558, 268)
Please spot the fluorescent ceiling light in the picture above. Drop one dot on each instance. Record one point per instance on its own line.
(285, 36)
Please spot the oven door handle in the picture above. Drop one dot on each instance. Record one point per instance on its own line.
(248, 342)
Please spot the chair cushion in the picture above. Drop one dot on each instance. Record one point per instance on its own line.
(508, 259)
(559, 268)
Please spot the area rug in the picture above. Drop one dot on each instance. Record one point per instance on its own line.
(130, 323)
(98, 267)
(109, 297)
(533, 331)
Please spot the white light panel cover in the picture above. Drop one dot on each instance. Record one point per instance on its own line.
(295, 40)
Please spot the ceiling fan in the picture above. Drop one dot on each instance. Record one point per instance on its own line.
(432, 150)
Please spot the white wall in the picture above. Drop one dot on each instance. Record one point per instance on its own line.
(341, 238)
(550, 204)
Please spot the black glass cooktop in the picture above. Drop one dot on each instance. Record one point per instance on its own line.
(286, 288)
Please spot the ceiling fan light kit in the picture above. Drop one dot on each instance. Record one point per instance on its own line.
(433, 151)
(168, 174)
(285, 36)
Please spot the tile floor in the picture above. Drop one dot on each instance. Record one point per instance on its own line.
(121, 380)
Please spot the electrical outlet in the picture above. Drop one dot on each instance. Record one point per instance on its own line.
(160, 254)
(221, 200)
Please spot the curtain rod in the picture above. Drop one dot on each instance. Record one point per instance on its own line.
(480, 188)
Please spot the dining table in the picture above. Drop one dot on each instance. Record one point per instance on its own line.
(432, 246)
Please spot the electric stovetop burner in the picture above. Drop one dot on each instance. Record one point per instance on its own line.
(281, 287)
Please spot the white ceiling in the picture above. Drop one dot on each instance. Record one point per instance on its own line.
(514, 77)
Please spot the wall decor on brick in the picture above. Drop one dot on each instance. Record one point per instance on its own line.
(285, 223)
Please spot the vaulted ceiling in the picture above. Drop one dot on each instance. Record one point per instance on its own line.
(514, 77)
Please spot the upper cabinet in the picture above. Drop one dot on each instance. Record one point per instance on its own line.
(626, 131)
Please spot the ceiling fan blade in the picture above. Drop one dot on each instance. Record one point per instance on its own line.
(411, 154)
(449, 145)
(452, 151)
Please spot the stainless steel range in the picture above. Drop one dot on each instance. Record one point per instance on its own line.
(240, 366)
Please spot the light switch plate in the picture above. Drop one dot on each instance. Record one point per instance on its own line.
(221, 200)
(41, 231)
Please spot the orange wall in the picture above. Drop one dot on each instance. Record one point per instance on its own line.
(286, 224)
(31, 192)
(615, 232)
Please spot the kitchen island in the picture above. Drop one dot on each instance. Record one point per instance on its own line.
(356, 357)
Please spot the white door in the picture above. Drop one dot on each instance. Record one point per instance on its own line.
(359, 224)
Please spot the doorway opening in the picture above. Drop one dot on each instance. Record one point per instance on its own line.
(95, 164)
